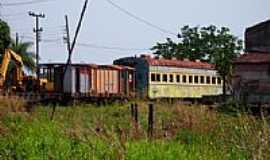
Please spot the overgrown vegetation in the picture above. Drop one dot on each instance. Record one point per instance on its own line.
(91, 132)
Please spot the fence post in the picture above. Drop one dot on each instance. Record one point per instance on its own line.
(151, 121)
(53, 111)
(136, 114)
(132, 111)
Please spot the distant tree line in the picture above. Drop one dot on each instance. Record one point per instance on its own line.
(211, 44)
(19, 47)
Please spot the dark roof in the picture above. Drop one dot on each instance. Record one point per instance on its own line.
(115, 67)
(73, 64)
(259, 25)
(254, 57)
(179, 63)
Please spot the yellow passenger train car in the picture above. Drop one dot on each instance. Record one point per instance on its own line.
(163, 78)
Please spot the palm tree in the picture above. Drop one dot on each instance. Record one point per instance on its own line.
(28, 57)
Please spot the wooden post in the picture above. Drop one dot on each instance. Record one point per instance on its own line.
(151, 121)
(53, 111)
(136, 119)
(132, 111)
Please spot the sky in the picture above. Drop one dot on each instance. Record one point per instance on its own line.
(107, 33)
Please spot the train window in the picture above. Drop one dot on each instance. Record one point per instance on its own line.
(202, 79)
(158, 78)
(178, 78)
(153, 77)
(214, 80)
(190, 79)
(196, 79)
(184, 79)
(208, 80)
(171, 78)
(219, 80)
(164, 78)
(130, 77)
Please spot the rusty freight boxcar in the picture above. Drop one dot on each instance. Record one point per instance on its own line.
(113, 80)
(90, 80)
(78, 80)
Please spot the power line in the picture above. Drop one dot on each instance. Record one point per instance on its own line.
(43, 40)
(111, 47)
(18, 14)
(25, 3)
(142, 20)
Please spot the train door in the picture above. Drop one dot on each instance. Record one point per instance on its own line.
(58, 79)
(84, 81)
(77, 79)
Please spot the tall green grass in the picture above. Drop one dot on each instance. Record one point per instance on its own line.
(91, 132)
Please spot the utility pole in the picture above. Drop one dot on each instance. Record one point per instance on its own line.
(37, 30)
(17, 39)
(67, 37)
(72, 46)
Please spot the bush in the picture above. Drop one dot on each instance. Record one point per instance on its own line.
(14, 104)
(233, 107)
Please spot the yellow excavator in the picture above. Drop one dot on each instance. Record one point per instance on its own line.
(18, 76)
(20, 82)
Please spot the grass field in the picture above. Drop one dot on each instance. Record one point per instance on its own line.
(108, 132)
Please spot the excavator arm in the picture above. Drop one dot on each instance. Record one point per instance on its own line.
(9, 54)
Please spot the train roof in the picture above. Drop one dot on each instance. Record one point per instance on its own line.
(167, 62)
(253, 58)
(180, 63)
(63, 64)
(117, 67)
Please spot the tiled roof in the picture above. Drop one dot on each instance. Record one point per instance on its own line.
(254, 58)
(179, 63)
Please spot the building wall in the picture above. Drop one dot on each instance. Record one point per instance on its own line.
(250, 72)
(251, 83)
(257, 38)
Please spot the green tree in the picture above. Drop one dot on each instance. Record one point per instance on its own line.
(23, 49)
(4, 36)
(210, 44)
(28, 59)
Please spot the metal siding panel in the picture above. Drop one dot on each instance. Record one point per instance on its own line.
(106, 81)
(84, 81)
(69, 81)
(98, 81)
(73, 81)
(182, 91)
(115, 82)
(94, 78)
(111, 80)
(101, 81)
(102, 89)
